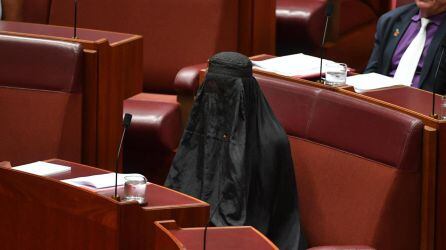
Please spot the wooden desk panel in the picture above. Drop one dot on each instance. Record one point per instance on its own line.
(44, 213)
(169, 236)
(113, 72)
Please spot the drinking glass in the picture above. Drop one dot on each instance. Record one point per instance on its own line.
(335, 74)
(135, 188)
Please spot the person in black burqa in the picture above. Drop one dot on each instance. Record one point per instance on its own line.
(235, 155)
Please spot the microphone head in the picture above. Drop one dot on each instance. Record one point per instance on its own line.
(329, 9)
(127, 120)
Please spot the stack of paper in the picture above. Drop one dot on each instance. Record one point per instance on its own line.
(299, 65)
(43, 168)
(98, 181)
(371, 81)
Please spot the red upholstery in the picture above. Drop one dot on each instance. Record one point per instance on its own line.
(35, 11)
(151, 141)
(43, 64)
(300, 25)
(349, 17)
(362, 128)
(397, 3)
(187, 80)
(357, 166)
(39, 100)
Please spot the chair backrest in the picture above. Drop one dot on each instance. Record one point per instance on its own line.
(40, 99)
(34, 11)
(176, 33)
(357, 166)
(398, 3)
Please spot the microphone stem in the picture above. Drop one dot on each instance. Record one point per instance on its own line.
(322, 45)
(75, 19)
(117, 162)
(434, 89)
(209, 222)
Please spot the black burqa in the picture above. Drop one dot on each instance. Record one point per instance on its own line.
(235, 155)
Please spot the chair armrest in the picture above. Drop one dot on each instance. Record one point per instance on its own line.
(186, 80)
(352, 247)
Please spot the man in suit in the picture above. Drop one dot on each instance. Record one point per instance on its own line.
(408, 45)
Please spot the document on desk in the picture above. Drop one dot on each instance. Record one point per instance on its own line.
(371, 81)
(43, 168)
(98, 181)
(299, 65)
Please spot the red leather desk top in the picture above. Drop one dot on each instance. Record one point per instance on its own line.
(157, 197)
(61, 31)
(217, 238)
(414, 99)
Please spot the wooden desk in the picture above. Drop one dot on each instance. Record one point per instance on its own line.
(44, 213)
(112, 73)
(169, 236)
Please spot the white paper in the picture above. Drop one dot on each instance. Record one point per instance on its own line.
(371, 81)
(43, 168)
(293, 65)
(98, 181)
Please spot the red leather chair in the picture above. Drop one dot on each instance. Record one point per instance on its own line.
(357, 167)
(300, 25)
(398, 3)
(40, 100)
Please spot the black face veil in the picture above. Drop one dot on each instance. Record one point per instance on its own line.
(235, 155)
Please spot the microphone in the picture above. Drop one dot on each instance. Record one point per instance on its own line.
(125, 124)
(209, 221)
(328, 13)
(75, 20)
(434, 89)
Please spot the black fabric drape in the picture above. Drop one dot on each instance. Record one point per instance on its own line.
(235, 154)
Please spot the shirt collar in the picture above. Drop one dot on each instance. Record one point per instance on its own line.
(436, 19)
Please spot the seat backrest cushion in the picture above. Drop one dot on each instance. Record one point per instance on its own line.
(346, 123)
(33, 11)
(40, 64)
(363, 15)
(368, 130)
(346, 199)
(40, 102)
(176, 33)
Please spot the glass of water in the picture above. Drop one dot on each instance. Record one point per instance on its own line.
(442, 115)
(135, 188)
(335, 74)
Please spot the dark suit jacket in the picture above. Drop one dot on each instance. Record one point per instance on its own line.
(387, 38)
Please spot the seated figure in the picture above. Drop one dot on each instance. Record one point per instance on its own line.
(235, 155)
(408, 44)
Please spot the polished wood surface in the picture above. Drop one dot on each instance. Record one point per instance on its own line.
(44, 213)
(113, 72)
(428, 192)
(169, 236)
(257, 27)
